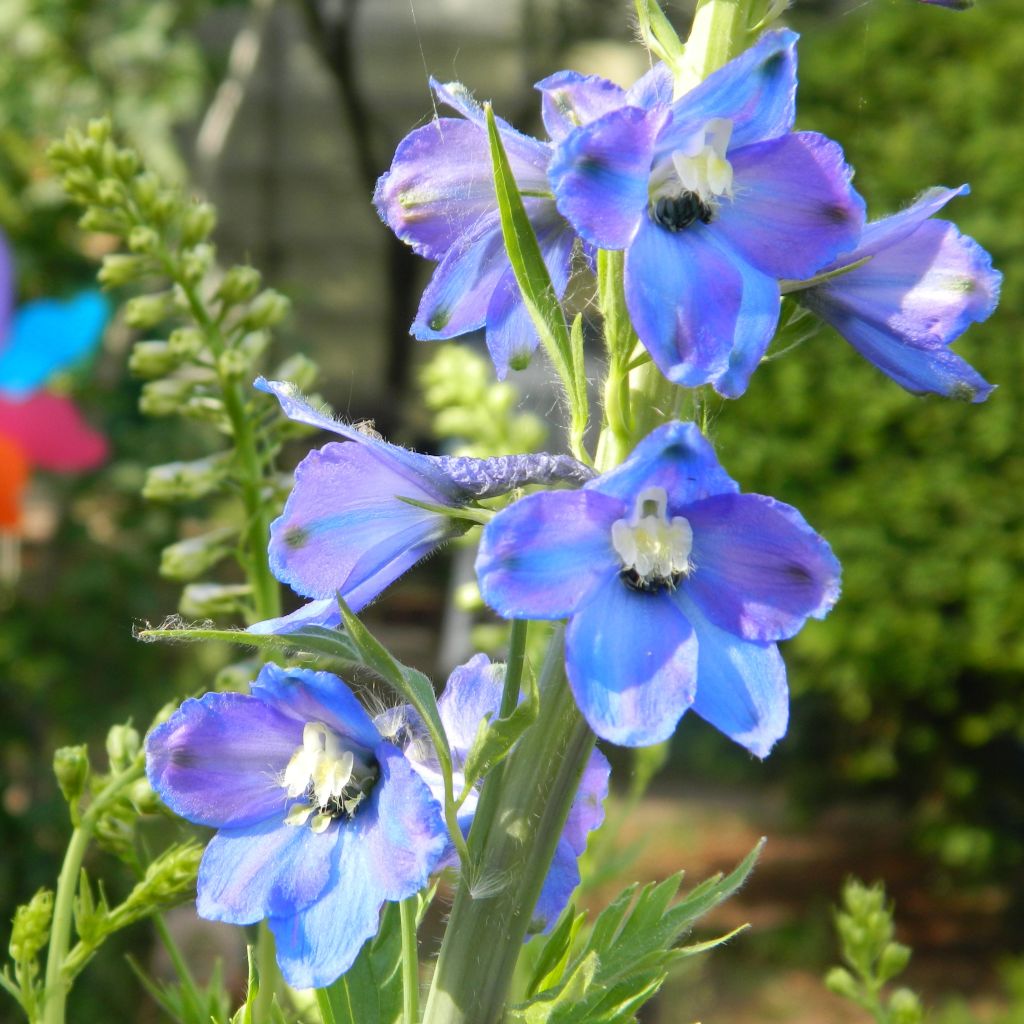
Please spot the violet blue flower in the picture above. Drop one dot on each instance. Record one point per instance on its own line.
(320, 819)
(713, 198)
(953, 5)
(922, 286)
(439, 197)
(473, 693)
(676, 588)
(346, 528)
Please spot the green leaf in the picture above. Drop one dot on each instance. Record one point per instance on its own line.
(495, 737)
(534, 281)
(370, 992)
(554, 956)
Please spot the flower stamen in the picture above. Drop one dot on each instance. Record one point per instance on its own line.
(654, 550)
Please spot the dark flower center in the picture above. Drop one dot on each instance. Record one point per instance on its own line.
(678, 212)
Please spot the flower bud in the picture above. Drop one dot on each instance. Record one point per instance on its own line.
(143, 238)
(98, 129)
(146, 187)
(840, 981)
(239, 285)
(71, 766)
(170, 879)
(119, 269)
(80, 184)
(198, 223)
(195, 262)
(146, 311)
(190, 558)
(207, 409)
(186, 481)
(142, 797)
(31, 930)
(268, 308)
(95, 219)
(123, 746)
(254, 344)
(126, 163)
(186, 342)
(111, 192)
(893, 960)
(166, 396)
(905, 1007)
(300, 370)
(150, 359)
(212, 600)
(163, 207)
(233, 365)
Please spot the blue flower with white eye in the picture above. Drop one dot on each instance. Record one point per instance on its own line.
(923, 285)
(676, 588)
(320, 820)
(349, 526)
(471, 695)
(713, 198)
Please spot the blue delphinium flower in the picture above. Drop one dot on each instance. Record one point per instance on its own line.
(320, 819)
(676, 588)
(346, 528)
(922, 286)
(439, 197)
(472, 694)
(713, 198)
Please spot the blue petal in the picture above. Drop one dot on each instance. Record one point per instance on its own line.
(344, 527)
(600, 175)
(314, 613)
(756, 91)
(587, 811)
(676, 457)
(631, 659)
(216, 761)
(881, 234)
(308, 696)
(794, 209)
(265, 869)
(684, 297)
(544, 555)
(50, 335)
(570, 99)
(473, 692)
(741, 685)
(759, 570)
(653, 89)
(561, 880)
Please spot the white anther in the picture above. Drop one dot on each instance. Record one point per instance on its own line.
(650, 544)
(701, 164)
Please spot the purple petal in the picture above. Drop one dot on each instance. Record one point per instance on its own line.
(473, 692)
(344, 527)
(881, 234)
(756, 91)
(587, 811)
(308, 696)
(315, 613)
(676, 457)
(542, 556)
(269, 868)
(794, 209)
(652, 89)
(741, 685)
(759, 569)
(216, 760)
(561, 880)
(493, 477)
(684, 296)
(631, 659)
(600, 175)
(570, 99)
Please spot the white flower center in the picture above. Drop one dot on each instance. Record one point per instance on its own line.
(333, 779)
(654, 550)
(701, 164)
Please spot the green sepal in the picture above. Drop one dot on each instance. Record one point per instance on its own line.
(657, 33)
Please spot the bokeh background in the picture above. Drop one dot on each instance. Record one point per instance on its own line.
(905, 757)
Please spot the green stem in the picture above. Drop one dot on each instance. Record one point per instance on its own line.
(514, 667)
(620, 340)
(715, 38)
(410, 962)
(486, 929)
(56, 990)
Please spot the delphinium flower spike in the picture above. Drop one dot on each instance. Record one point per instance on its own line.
(345, 527)
(471, 695)
(922, 285)
(713, 198)
(676, 588)
(320, 819)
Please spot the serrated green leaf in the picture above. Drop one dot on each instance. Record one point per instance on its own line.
(554, 957)
(564, 998)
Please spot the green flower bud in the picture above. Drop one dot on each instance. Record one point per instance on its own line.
(186, 342)
(207, 409)
(31, 930)
(143, 798)
(840, 981)
(123, 745)
(115, 830)
(164, 207)
(126, 163)
(186, 481)
(894, 959)
(300, 370)
(119, 269)
(71, 766)
(146, 311)
(233, 365)
(170, 879)
(98, 129)
(195, 262)
(90, 153)
(198, 223)
(254, 344)
(190, 558)
(146, 187)
(111, 192)
(213, 600)
(143, 239)
(239, 285)
(80, 184)
(95, 219)
(905, 1007)
(268, 308)
(165, 397)
(237, 676)
(149, 359)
